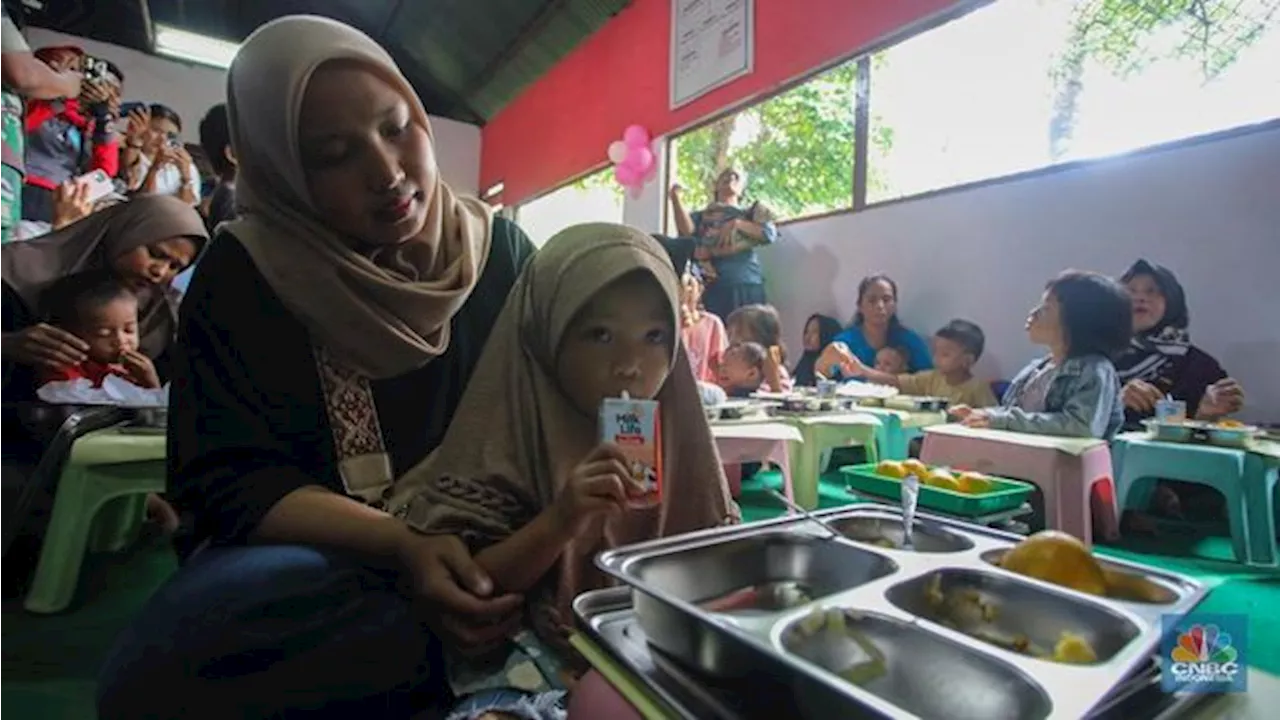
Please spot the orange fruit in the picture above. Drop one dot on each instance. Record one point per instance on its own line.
(974, 483)
(915, 467)
(943, 480)
(891, 468)
(1057, 558)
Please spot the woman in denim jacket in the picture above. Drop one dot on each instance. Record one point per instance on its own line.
(1084, 319)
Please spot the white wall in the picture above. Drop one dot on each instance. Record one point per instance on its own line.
(1210, 211)
(192, 89)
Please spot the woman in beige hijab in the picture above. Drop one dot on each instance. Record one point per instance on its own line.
(522, 474)
(326, 338)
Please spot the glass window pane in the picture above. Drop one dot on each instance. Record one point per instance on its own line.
(595, 198)
(796, 149)
(1022, 84)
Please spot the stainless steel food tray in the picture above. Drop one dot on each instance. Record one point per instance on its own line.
(932, 670)
(607, 617)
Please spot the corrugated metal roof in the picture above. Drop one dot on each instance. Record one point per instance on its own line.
(467, 58)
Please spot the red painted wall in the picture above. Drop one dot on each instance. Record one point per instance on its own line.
(561, 125)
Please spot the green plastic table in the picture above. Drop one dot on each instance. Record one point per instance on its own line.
(99, 505)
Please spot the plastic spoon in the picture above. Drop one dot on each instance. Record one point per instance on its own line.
(833, 533)
(910, 495)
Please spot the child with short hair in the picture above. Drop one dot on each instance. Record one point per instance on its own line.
(1085, 320)
(761, 324)
(523, 476)
(702, 332)
(956, 347)
(742, 369)
(892, 360)
(102, 311)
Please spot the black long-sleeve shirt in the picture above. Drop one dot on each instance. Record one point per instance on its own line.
(247, 421)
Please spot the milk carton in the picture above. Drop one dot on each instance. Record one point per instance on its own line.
(635, 427)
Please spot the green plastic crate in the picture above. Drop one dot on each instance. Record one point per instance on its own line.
(1006, 495)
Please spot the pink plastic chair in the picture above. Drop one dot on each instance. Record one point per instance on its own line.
(737, 450)
(1073, 497)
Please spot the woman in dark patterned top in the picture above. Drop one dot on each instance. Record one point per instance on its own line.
(324, 344)
(1161, 360)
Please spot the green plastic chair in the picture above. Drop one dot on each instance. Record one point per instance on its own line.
(98, 506)
(821, 433)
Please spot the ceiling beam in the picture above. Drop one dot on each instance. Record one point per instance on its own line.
(517, 45)
(460, 106)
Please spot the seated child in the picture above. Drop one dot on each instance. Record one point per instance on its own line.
(97, 308)
(1084, 319)
(761, 324)
(891, 360)
(956, 347)
(743, 368)
(522, 475)
(702, 332)
(100, 310)
(819, 331)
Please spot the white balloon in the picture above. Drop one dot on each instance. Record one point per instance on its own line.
(617, 152)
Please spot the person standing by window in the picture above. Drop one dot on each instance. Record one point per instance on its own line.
(728, 236)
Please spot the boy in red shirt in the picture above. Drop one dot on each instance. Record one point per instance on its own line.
(97, 308)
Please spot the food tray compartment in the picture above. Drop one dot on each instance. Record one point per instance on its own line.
(914, 403)
(737, 586)
(1005, 495)
(886, 532)
(922, 673)
(750, 574)
(1193, 431)
(1134, 586)
(1016, 616)
(735, 410)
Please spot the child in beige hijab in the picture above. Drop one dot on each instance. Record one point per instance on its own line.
(522, 475)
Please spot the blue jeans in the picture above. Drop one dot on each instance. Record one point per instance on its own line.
(274, 631)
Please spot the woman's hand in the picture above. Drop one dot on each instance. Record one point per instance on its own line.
(45, 346)
(675, 192)
(70, 203)
(93, 92)
(138, 131)
(1141, 396)
(142, 372)
(599, 485)
(773, 369)
(457, 592)
(839, 355)
(977, 419)
(1221, 399)
(959, 412)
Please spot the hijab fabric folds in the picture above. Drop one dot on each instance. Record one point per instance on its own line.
(516, 436)
(372, 312)
(828, 327)
(379, 313)
(92, 243)
(1156, 355)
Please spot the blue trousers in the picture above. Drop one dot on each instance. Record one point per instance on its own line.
(274, 632)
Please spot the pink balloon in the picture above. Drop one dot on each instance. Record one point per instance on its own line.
(651, 174)
(618, 152)
(626, 175)
(639, 159)
(635, 136)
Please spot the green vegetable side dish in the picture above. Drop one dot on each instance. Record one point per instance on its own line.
(1005, 495)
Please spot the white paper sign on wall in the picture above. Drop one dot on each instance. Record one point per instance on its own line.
(712, 43)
